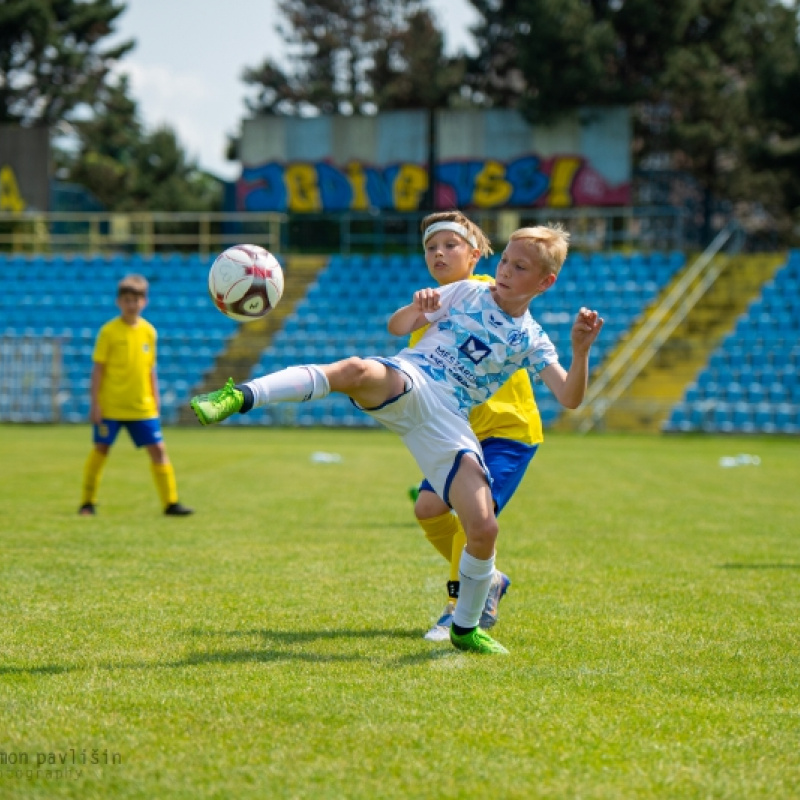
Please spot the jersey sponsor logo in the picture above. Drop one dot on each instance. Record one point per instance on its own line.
(498, 323)
(475, 350)
(454, 368)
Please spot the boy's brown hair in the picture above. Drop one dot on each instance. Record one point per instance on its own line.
(481, 239)
(133, 284)
(551, 243)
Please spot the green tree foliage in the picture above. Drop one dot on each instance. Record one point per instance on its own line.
(130, 169)
(713, 84)
(542, 56)
(51, 58)
(773, 146)
(719, 84)
(412, 70)
(355, 56)
(56, 71)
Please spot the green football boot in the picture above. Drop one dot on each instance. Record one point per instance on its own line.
(216, 406)
(477, 641)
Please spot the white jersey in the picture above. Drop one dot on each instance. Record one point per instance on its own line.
(473, 347)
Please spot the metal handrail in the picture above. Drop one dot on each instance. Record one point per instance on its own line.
(591, 229)
(673, 309)
(142, 232)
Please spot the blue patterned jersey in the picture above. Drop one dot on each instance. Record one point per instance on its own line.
(473, 347)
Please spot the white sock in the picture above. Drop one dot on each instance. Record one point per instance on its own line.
(476, 578)
(293, 384)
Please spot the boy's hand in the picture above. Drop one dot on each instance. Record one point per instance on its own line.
(586, 329)
(426, 300)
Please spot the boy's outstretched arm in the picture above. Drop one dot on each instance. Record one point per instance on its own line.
(410, 317)
(569, 388)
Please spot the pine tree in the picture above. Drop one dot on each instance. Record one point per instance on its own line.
(355, 56)
(51, 57)
(712, 84)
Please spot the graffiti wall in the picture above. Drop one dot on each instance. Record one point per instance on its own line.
(305, 186)
(24, 165)
(583, 163)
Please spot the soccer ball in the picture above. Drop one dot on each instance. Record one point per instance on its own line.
(245, 282)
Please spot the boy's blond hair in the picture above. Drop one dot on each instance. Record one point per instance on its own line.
(551, 243)
(133, 284)
(481, 239)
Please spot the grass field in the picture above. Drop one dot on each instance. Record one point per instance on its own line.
(270, 646)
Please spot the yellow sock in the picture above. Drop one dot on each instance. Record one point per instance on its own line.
(440, 531)
(459, 543)
(92, 472)
(164, 476)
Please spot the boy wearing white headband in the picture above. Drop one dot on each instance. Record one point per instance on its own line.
(507, 425)
(479, 336)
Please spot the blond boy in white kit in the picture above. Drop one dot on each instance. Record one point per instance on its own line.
(479, 336)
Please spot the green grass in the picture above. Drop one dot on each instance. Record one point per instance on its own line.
(270, 646)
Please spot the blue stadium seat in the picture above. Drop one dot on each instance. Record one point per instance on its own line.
(733, 390)
(743, 417)
(787, 418)
(776, 393)
(691, 394)
(763, 418)
(678, 419)
(697, 416)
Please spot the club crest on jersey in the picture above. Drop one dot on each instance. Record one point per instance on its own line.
(475, 350)
(514, 338)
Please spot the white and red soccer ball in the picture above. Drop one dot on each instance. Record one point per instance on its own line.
(245, 282)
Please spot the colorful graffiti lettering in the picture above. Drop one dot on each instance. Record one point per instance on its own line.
(305, 187)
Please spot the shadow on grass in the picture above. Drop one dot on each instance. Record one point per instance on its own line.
(51, 669)
(759, 566)
(303, 637)
(290, 639)
(278, 646)
(256, 657)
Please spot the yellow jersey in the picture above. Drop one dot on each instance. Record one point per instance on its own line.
(510, 413)
(128, 354)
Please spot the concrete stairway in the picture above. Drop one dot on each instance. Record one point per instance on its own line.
(245, 348)
(645, 405)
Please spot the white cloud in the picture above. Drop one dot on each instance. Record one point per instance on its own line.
(196, 109)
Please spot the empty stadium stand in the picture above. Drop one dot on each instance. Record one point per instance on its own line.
(63, 300)
(751, 383)
(52, 306)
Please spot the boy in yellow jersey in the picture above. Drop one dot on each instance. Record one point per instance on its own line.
(508, 425)
(124, 390)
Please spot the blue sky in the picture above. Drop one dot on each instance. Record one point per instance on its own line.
(185, 70)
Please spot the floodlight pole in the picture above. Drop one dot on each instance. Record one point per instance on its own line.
(429, 199)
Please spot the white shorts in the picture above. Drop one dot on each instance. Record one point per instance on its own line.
(435, 434)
